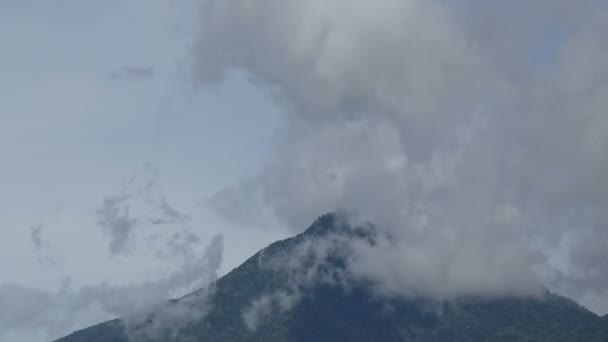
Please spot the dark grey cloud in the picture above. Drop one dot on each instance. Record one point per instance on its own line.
(475, 134)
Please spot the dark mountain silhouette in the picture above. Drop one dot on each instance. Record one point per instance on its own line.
(289, 292)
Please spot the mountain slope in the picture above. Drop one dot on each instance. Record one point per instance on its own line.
(291, 292)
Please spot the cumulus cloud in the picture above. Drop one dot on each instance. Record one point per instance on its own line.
(476, 136)
(31, 314)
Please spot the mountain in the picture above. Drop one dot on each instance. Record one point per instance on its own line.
(298, 290)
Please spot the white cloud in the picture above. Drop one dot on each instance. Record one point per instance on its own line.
(474, 141)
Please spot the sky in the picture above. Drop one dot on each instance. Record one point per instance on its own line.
(98, 105)
(149, 147)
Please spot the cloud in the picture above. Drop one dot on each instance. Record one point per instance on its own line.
(35, 232)
(263, 307)
(479, 144)
(114, 216)
(132, 73)
(41, 315)
(168, 214)
(41, 246)
(169, 318)
(141, 208)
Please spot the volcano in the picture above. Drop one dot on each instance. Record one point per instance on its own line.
(300, 290)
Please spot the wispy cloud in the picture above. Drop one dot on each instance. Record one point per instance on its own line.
(41, 246)
(141, 207)
(132, 73)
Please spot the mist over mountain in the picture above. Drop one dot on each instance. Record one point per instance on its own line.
(475, 132)
(307, 288)
(461, 145)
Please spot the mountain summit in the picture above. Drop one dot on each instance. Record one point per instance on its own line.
(300, 290)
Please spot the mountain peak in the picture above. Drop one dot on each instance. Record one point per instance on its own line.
(326, 224)
(334, 223)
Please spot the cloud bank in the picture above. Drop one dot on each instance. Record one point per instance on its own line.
(475, 134)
